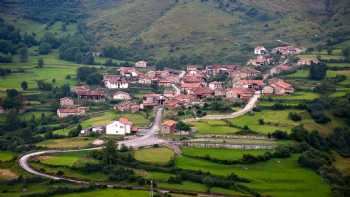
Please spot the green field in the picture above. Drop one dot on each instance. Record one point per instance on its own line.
(6, 156)
(222, 154)
(214, 127)
(66, 159)
(108, 193)
(66, 143)
(160, 156)
(276, 177)
(299, 95)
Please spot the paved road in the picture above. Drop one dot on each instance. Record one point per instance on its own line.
(148, 139)
(247, 108)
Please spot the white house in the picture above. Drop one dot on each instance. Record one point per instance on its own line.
(260, 50)
(121, 127)
(121, 96)
(115, 82)
(141, 64)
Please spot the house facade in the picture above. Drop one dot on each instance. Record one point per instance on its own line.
(120, 127)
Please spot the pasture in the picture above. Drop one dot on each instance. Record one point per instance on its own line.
(213, 127)
(160, 156)
(66, 143)
(65, 159)
(6, 156)
(276, 177)
(108, 193)
(222, 154)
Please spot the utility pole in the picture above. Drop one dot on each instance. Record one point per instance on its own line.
(151, 189)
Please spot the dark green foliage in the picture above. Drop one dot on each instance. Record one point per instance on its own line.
(314, 159)
(181, 126)
(44, 48)
(339, 140)
(5, 71)
(318, 71)
(42, 85)
(299, 133)
(282, 135)
(13, 100)
(23, 54)
(294, 116)
(41, 63)
(75, 132)
(89, 75)
(24, 85)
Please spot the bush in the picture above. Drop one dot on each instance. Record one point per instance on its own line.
(294, 116)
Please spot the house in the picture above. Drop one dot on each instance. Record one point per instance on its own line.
(267, 91)
(260, 60)
(251, 84)
(2, 110)
(120, 127)
(192, 69)
(141, 64)
(128, 72)
(172, 103)
(91, 95)
(151, 100)
(164, 83)
(66, 102)
(280, 87)
(185, 100)
(244, 73)
(66, 112)
(220, 92)
(215, 85)
(280, 69)
(121, 96)
(287, 50)
(239, 93)
(115, 82)
(94, 129)
(145, 80)
(260, 50)
(168, 126)
(307, 61)
(127, 106)
(202, 92)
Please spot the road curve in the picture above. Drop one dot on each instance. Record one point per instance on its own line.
(148, 139)
(247, 108)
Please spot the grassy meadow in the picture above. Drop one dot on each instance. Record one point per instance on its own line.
(276, 177)
(66, 143)
(160, 156)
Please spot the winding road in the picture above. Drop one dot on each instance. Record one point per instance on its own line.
(148, 139)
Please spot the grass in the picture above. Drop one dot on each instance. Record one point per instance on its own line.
(108, 193)
(6, 156)
(276, 177)
(66, 143)
(103, 119)
(160, 156)
(184, 186)
(139, 119)
(213, 127)
(223, 154)
(66, 159)
(299, 95)
(342, 164)
(7, 174)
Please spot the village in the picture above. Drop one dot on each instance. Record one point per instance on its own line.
(183, 88)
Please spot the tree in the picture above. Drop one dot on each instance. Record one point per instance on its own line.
(109, 153)
(181, 126)
(41, 63)
(318, 71)
(109, 62)
(24, 85)
(44, 48)
(23, 54)
(75, 132)
(94, 79)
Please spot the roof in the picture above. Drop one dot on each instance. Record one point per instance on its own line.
(125, 120)
(69, 110)
(257, 82)
(169, 123)
(121, 92)
(190, 85)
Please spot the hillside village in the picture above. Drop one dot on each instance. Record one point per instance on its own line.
(184, 88)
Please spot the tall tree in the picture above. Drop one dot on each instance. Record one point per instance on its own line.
(24, 85)
(23, 54)
(41, 63)
(318, 71)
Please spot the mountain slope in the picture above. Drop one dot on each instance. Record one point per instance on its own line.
(213, 30)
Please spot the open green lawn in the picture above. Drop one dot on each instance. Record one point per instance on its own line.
(185, 186)
(139, 119)
(299, 95)
(338, 65)
(159, 156)
(223, 154)
(214, 127)
(66, 143)
(103, 119)
(108, 193)
(303, 73)
(6, 156)
(276, 177)
(66, 159)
